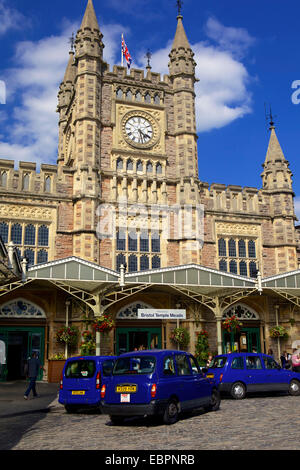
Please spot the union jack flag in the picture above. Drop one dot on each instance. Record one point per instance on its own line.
(126, 54)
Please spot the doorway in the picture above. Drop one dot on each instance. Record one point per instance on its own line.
(245, 340)
(131, 339)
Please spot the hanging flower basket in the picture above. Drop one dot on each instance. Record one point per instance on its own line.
(88, 348)
(231, 324)
(67, 335)
(180, 336)
(202, 347)
(104, 324)
(278, 332)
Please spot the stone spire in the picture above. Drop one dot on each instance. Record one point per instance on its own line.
(70, 70)
(89, 37)
(180, 39)
(276, 173)
(181, 55)
(90, 19)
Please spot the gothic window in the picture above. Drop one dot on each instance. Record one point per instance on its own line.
(121, 240)
(29, 255)
(149, 167)
(26, 182)
(223, 265)
(155, 262)
(119, 164)
(158, 169)
(16, 234)
(144, 263)
(147, 98)
(129, 165)
(4, 232)
(132, 263)
(119, 94)
(156, 99)
(251, 249)
(252, 269)
(129, 95)
(139, 166)
(144, 241)
(243, 268)
(155, 242)
(138, 96)
(120, 260)
(232, 247)
(3, 180)
(42, 257)
(132, 241)
(222, 247)
(242, 248)
(233, 267)
(29, 235)
(43, 236)
(48, 184)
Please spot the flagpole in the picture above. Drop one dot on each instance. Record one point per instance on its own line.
(122, 50)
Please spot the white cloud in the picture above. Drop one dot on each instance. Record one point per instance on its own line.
(297, 206)
(10, 18)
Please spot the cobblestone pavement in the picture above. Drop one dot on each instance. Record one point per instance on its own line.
(256, 423)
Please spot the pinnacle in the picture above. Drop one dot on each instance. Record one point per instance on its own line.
(90, 18)
(180, 39)
(274, 152)
(70, 71)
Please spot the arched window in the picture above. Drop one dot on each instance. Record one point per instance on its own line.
(26, 182)
(243, 269)
(144, 241)
(16, 234)
(251, 249)
(119, 164)
(4, 232)
(147, 98)
(120, 260)
(48, 184)
(29, 255)
(119, 94)
(149, 167)
(42, 257)
(233, 267)
(155, 262)
(43, 236)
(3, 180)
(223, 265)
(132, 263)
(129, 165)
(231, 247)
(156, 99)
(158, 169)
(132, 241)
(242, 248)
(29, 235)
(144, 263)
(121, 240)
(155, 242)
(139, 166)
(138, 96)
(222, 247)
(129, 95)
(252, 269)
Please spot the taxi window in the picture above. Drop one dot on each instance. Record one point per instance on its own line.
(270, 363)
(107, 367)
(183, 366)
(194, 365)
(80, 369)
(169, 366)
(237, 363)
(134, 365)
(218, 362)
(253, 362)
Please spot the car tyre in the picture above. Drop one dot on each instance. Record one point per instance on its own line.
(171, 412)
(215, 401)
(71, 408)
(294, 387)
(238, 391)
(117, 420)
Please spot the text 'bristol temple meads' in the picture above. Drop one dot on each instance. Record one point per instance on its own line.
(126, 192)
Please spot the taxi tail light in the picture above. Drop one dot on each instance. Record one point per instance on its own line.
(153, 390)
(61, 382)
(98, 381)
(103, 390)
(221, 377)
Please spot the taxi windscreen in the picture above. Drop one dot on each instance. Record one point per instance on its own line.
(134, 365)
(218, 362)
(77, 369)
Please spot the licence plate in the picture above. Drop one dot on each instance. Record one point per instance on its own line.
(78, 392)
(125, 398)
(210, 376)
(126, 389)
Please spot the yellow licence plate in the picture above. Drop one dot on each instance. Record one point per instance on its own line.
(78, 392)
(126, 388)
(210, 376)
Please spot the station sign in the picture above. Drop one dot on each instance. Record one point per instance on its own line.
(161, 314)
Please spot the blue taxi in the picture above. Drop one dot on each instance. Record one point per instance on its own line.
(157, 382)
(81, 381)
(240, 373)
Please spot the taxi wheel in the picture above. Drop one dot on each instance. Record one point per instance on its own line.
(71, 408)
(117, 420)
(171, 412)
(214, 401)
(294, 388)
(238, 391)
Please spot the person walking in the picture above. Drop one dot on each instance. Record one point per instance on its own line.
(296, 362)
(34, 367)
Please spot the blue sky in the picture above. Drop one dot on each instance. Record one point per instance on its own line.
(247, 55)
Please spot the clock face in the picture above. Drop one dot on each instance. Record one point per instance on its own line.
(139, 130)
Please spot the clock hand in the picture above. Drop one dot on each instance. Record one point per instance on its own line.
(141, 134)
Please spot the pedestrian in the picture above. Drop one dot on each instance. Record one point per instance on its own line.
(296, 362)
(209, 359)
(270, 353)
(285, 360)
(33, 369)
